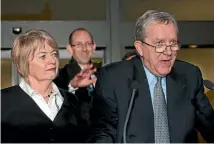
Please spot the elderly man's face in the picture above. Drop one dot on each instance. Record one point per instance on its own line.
(44, 64)
(159, 63)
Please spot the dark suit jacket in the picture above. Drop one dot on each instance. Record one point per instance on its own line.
(188, 107)
(23, 121)
(65, 75)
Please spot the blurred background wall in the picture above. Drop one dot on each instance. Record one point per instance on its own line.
(130, 10)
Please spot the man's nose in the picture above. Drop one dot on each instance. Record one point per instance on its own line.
(84, 47)
(168, 50)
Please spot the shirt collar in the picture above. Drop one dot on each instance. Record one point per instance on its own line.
(26, 87)
(152, 78)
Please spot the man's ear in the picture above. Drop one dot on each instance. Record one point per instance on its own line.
(69, 49)
(139, 47)
(94, 46)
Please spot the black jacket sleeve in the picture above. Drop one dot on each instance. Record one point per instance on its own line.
(104, 111)
(62, 79)
(204, 112)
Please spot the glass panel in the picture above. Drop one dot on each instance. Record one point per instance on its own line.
(186, 10)
(63, 62)
(53, 10)
(6, 73)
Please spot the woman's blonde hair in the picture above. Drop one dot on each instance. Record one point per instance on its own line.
(25, 46)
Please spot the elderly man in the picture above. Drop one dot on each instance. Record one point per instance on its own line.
(152, 97)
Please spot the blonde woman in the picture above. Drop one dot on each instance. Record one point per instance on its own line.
(36, 110)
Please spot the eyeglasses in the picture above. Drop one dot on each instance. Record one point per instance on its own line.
(81, 45)
(162, 47)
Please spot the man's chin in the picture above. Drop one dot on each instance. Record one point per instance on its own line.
(164, 71)
(84, 62)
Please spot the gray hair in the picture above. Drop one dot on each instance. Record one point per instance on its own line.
(152, 16)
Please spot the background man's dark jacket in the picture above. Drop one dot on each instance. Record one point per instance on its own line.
(63, 79)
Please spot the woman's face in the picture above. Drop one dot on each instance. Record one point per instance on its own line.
(43, 65)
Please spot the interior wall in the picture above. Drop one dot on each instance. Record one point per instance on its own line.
(60, 30)
(187, 10)
(96, 9)
(53, 10)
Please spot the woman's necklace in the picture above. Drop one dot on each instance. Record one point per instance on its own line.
(48, 96)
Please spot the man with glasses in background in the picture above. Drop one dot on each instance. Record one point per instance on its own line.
(78, 75)
(152, 98)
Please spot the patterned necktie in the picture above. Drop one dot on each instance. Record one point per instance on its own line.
(90, 89)
(160, 114)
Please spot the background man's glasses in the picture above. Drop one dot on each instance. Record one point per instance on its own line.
(81, 45)
(162, 47)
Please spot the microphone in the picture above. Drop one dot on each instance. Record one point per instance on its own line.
(208, 84)
(134, 86)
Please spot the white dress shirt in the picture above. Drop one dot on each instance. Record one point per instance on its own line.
(54, 103)
(152, 80)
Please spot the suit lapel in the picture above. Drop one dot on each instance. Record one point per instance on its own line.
(143, 104)
(176, 88)
(28, 102)
(68, 110)
(70, 100)
(176, 104)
